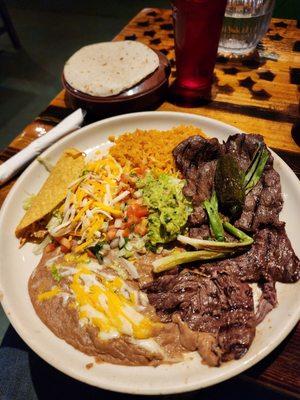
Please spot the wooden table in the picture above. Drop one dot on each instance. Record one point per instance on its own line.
(260, 95)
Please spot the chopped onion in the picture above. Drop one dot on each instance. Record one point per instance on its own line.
(118, 223)
(121, 242)
(130, 267)
(38, 249)
(119, 233)
(137, 194)
(129, 246)
(114, 243)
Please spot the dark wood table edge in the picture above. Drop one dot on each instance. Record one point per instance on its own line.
(54, 114)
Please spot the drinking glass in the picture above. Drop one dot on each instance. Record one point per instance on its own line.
(245, 23)
(197, 28)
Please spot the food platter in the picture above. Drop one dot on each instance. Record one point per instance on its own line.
(17, 265)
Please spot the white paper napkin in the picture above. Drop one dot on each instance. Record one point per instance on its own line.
(10, 167)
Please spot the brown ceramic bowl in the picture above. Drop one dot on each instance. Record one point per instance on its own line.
(146, 95)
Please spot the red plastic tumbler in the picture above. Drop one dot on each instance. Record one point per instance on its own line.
(197, 29)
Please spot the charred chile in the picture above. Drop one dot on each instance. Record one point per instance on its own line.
(229, 180)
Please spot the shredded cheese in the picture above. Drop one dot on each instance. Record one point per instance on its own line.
(91, 202)
(104, 304)
(55, 290)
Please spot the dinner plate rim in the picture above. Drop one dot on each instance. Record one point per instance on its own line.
(291, 322)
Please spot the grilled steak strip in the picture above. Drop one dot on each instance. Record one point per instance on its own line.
(270, 258)
(264, 202)
(219, 304)
(267, 301)
(203, 301)
(196, 158)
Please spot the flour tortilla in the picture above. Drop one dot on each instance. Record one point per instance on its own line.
(106, 69)
(54, 190)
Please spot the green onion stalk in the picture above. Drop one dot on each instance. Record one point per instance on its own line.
(184, 257)
(211, 207)
(259, 163)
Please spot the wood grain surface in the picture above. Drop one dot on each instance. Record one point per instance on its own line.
(258, 95)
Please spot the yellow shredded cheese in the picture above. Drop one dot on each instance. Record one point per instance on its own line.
(105, 306)
(83, 246)
(89, 202)
(49, 293)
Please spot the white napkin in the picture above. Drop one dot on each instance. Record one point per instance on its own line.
(10, 167)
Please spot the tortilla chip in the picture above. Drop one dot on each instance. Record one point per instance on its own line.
(54, 190)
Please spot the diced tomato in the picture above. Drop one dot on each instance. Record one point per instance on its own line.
(111, 234)
(141, 211)
(65, 242)
(132, 220)
(127, 179)
(90, 254)
(141, 228)
(126, 232)
(50, 247)
(136, 210)
(122, 187)
(130, 202)
(64, 249)
(140, 170)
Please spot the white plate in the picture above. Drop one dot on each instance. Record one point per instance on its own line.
(16, 266)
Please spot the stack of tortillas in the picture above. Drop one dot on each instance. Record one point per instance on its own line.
(107, 69)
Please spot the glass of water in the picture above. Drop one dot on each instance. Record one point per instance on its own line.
(245, 23)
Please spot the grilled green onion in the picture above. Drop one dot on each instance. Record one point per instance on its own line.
(237, 233)
(259, 169)
(253, 164)
(227, 247)
(169, 262)
(211, 207)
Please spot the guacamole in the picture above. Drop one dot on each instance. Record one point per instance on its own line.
(168, 207)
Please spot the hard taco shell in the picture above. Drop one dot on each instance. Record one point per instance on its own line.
(54, 190)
